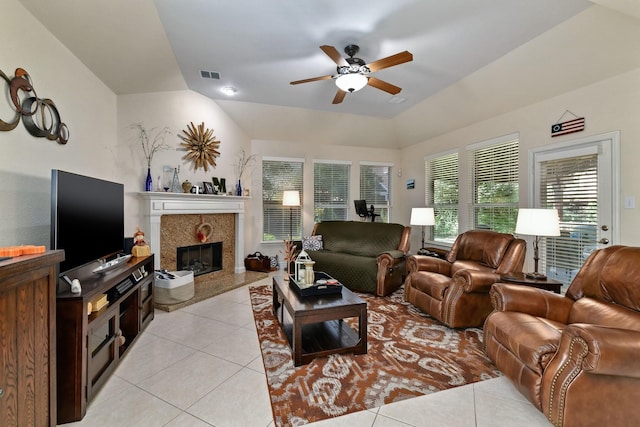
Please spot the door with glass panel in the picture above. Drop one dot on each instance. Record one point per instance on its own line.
(578, 179)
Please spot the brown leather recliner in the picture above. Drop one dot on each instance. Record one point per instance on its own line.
(455, 290)
(575, 357)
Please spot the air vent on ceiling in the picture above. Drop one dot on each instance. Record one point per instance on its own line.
(396, 100)
(210, 75)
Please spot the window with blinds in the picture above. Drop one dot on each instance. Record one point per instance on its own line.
(441, 192)
(375, 186)
(494, 169)
(571, 186)
(330, 190)
(279, 221)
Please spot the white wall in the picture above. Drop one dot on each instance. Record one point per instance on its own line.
(609, 105)
(174, 110)
(85, 104)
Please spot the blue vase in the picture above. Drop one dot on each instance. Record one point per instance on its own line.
(149, 183)
(239, 189)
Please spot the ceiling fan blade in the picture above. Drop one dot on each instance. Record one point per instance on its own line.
(382, 85)
(313, 79)
(333, 53)
(339, 96)
(390, 61)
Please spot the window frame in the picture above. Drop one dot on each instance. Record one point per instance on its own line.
(430, 195)
(384, 210)
(509, 209)
(346, 184)
(272, 201)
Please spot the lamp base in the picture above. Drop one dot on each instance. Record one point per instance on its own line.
(535, 276)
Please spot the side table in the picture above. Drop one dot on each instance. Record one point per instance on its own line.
(520, 278)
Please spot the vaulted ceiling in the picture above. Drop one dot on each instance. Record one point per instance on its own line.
(471, 59)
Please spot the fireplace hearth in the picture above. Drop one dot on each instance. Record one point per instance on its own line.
(200, 259)
(170, 218)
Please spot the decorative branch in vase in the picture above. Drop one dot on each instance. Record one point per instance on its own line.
(289, 255)
(243, 162)
(151, 141)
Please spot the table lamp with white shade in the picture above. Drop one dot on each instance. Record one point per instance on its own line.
(538, 223)
(422, 217)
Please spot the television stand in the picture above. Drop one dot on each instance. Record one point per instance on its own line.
(96, 327)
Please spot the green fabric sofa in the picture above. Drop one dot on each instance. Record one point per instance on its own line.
(363, 256)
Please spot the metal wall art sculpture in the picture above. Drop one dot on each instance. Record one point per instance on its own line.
(39, 116)
(201, 146)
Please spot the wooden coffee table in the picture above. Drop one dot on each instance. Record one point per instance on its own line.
(315, 326)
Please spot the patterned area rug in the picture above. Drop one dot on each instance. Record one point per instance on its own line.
(409, 355)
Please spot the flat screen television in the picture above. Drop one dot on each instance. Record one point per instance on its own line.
(87, 218)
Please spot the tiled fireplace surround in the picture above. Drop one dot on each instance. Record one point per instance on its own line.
(171, 220)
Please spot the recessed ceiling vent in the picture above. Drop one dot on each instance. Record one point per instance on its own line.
(397, 100)
(210, 75)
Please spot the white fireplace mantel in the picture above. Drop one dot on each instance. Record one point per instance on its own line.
(156, 204)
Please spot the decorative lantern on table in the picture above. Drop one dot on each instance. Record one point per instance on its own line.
(302, 260)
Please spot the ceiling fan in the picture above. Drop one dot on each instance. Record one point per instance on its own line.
(353, 73)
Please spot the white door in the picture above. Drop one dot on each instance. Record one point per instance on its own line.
(580, 179)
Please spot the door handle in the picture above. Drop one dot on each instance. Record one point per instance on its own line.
(604, 241)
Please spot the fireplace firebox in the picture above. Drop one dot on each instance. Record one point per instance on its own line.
(200, 259)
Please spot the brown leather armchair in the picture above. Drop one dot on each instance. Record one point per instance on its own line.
(455, 290)
(576, 357)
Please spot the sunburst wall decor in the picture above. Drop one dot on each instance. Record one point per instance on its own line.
(201, 146)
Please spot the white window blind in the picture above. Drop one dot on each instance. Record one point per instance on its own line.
(441, 192)
(330, 191)
(278, 176)
(375, 185)
(571, 186)
(494, 191)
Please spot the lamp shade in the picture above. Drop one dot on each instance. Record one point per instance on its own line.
(538, 222)
(291, 198)
(422, 216)
(351, 82)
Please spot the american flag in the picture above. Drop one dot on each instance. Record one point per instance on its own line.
(571, 126)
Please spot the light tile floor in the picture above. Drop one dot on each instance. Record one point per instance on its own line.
(201, 366)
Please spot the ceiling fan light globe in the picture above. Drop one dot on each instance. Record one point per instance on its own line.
(351, 82)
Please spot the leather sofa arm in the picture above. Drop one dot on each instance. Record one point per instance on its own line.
(442, 253)
(405, 240)
(391, 268)
(610, 351)
(591, 363)
(394, 255)
(533, 301)
(428, 263)
(475, 280)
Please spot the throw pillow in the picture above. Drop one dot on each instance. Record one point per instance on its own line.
(312, 243)
(274, 262)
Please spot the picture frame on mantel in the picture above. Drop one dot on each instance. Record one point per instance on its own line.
(208, 187)
(221, 183)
